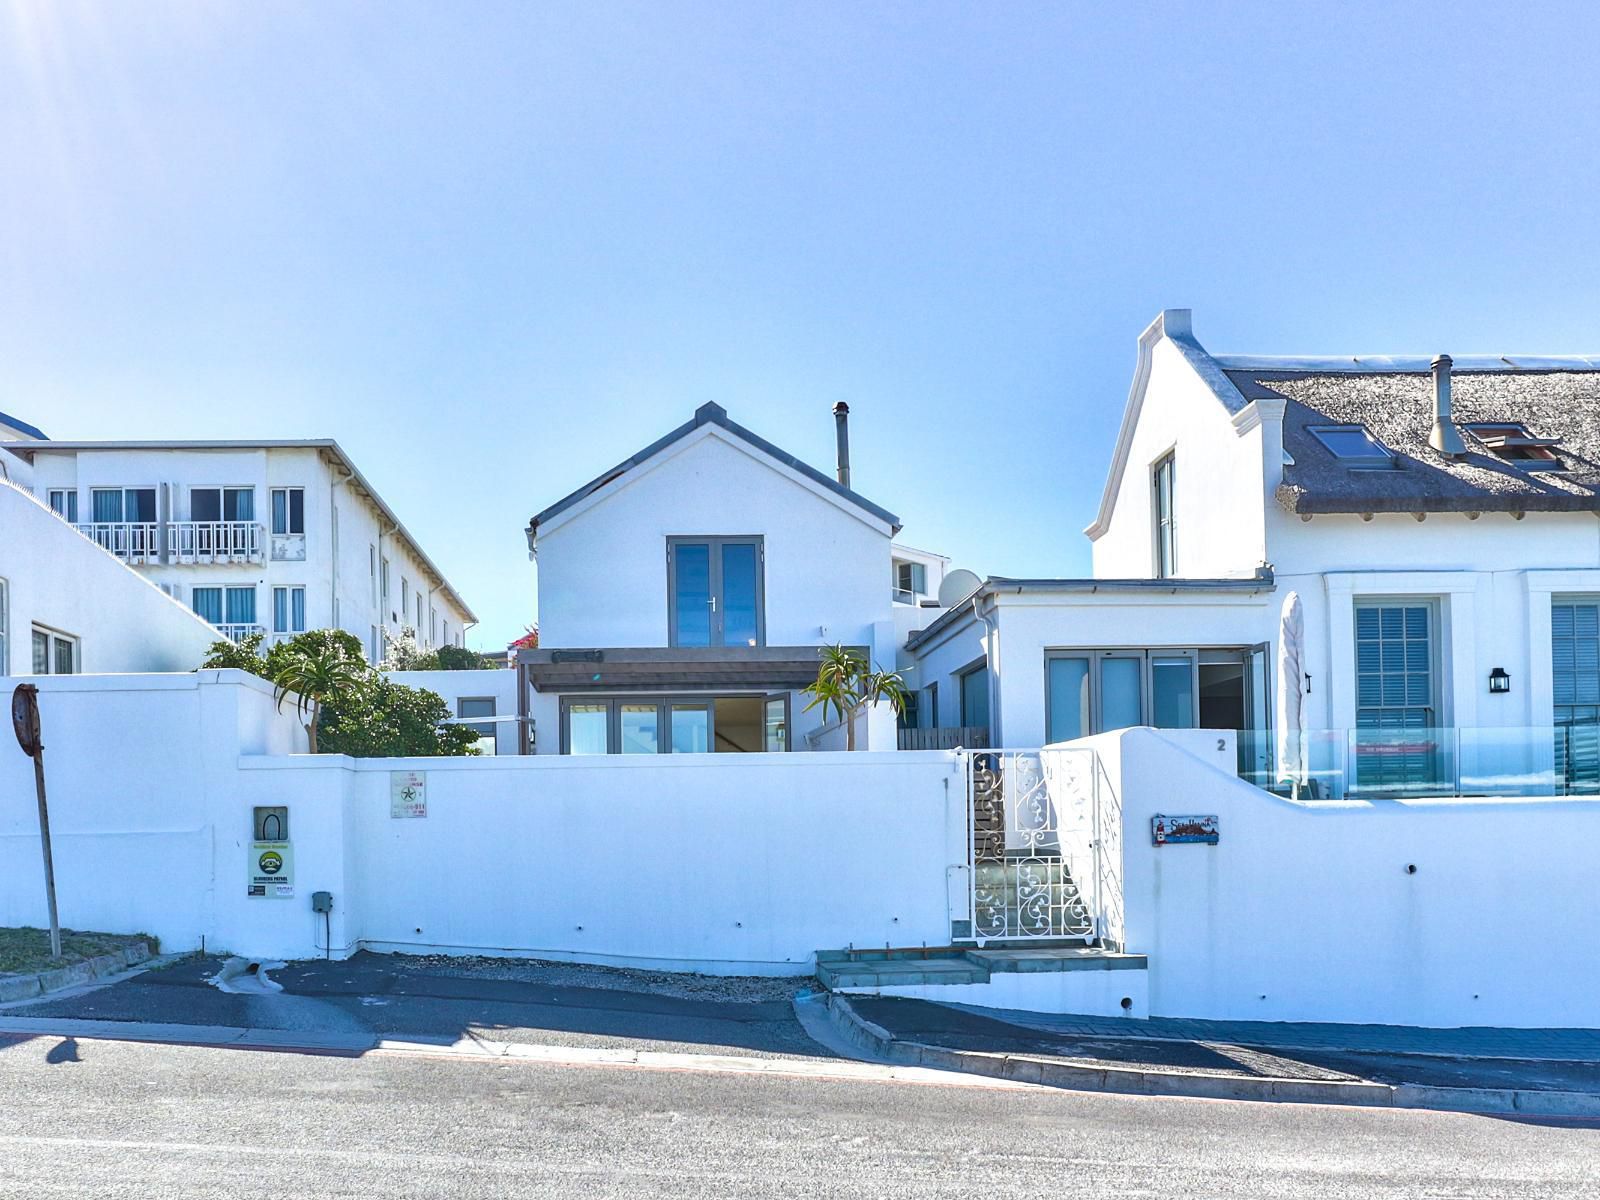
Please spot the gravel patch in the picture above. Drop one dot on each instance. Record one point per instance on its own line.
(733, 989)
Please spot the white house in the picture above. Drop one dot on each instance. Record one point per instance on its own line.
(684, 595)
(1436, 518)
(272, 537)
(68, 607)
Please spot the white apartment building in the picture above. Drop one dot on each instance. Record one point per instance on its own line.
(272, 537)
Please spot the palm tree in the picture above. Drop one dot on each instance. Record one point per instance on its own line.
(315, 675)
(846, 684)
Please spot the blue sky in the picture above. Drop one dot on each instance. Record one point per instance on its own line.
(495, 249)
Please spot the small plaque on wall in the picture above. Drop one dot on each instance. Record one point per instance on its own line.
(1170, 831)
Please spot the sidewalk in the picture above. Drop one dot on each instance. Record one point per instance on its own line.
(1555, 1072)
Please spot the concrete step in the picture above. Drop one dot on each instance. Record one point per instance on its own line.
(1072, 958)
(903, 972)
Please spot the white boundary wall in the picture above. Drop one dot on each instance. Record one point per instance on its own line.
(736, 863)
(1306, 912)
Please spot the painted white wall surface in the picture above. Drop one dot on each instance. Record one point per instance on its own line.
(1219, 472)
(603, 563)
(940, 662)
(59, 580)
(720, 863)
(135, 765)
(338, 583)
(499, 685)
(1307, 912)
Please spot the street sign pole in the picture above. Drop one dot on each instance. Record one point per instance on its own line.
(25, 721)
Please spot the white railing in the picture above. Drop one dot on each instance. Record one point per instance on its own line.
(1044, 845)
(236, 632)
(216, 541)
(131, 541)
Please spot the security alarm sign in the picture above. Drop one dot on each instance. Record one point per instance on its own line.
(271, 870)
(1167, 831)
(408, 794)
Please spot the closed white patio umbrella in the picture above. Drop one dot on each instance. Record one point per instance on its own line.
(1291, 695)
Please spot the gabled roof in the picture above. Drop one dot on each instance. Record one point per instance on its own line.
(713, 414)
(1175, 326)
(326, 446)
(1393, 399)
(21, 426)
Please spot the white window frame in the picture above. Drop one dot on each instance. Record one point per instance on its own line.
(68, 498)
(288, 529)
(54, 640)
(1164, 525)
(288, 592)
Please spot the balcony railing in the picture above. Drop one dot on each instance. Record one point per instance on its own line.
(215, 541)
(141, 542)
(235, 632)
(131, 541)
(1355, 764)
(949, 737)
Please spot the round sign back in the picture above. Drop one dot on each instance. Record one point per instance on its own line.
(25, 717)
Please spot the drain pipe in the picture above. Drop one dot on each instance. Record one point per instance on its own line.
(991, 624)
(334, 485)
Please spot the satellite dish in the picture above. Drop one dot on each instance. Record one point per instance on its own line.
(957, 586)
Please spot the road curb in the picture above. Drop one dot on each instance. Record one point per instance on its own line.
(873, 1039)
(26, 987)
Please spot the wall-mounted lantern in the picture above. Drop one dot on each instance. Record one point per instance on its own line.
(1499, 681)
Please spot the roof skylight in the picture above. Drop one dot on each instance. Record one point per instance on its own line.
(1354, 445)
(1510, 440)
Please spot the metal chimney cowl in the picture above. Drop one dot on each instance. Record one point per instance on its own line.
(1445, 438)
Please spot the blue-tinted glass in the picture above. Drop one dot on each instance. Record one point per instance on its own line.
(640, 728)
(739, 587)
(140, 504)
(297, 609)
(1069, 699)
(208, 604)
(975, 699)
(1172, 692)
(280, 610)
(241, 606)
(692, 597)
(691, 729)
(1120, 693)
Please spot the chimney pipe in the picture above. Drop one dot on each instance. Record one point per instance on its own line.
(1445, 438)
(841, 423)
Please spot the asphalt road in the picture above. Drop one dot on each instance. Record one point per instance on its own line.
(115, 1119)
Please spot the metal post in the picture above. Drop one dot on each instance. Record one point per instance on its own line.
(44, 841)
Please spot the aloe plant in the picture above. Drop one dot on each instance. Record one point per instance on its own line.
(847, 683)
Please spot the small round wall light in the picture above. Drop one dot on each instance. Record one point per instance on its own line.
(1499, 681)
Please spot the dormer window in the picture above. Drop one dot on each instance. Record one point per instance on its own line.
(1354, 446)
(1511, 441)
(910, 581)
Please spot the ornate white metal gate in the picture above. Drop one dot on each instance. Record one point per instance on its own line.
(1045, 846)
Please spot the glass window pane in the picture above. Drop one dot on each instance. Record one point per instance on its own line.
(140, 504)
(297, 609)
(1120, 694)
(586, 729)
(1172, 692)
(640, 725)
(280, 511)
(297, 510)
(691, 729)
(207, 603)
(41, 653)
(107, 504)
(777, 725)
(241, 606)
(63, 663)
(975, 699)
(1069, 699)
(280, 610)
(691, 570)
(739, 588)
(239, 504)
